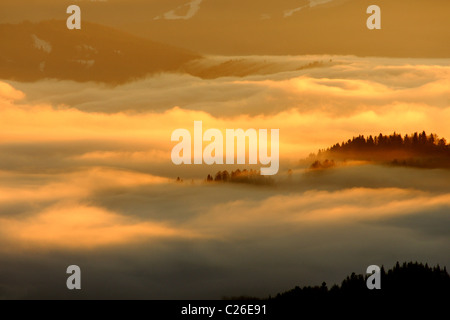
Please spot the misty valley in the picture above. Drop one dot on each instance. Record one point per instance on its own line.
(226, 150)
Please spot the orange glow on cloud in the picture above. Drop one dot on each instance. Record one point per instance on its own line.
(76, 185)
(97, 154)
(82, 226)
(300, 132)
(317, 208)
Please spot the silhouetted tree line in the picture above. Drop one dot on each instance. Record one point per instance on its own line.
(405, 289)
(409, 280)
(418, 149)
(419, 142)
(245, 176)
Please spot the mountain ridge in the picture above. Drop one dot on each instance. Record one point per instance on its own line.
(32, 51)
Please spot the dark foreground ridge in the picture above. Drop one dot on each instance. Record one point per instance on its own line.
(405, 290)
(408, 280)
(409, 285)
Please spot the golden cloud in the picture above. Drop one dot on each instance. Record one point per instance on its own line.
(82, 227)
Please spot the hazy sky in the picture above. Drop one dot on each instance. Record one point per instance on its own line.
(410, 28)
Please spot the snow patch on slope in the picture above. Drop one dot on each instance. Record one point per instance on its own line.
(192, 8)
(41, 44)
(312, 3)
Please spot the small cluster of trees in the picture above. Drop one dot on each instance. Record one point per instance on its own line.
(326, 164)
(240, 176)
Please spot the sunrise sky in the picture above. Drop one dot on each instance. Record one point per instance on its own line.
(86, 175)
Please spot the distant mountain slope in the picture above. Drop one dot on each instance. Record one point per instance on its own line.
(32, 51)
(409, 28)
(216, 67)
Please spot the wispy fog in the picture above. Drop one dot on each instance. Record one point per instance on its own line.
(86, 178)
(141, 236)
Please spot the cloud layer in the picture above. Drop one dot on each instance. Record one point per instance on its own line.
(86, 178)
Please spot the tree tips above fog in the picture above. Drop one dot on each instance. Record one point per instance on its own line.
(417, 150)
